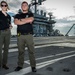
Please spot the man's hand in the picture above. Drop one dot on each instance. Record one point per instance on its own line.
(11, 27)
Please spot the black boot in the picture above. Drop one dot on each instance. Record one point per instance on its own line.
(34, 69)
(18, 68)
(5, 67)
(0, 66)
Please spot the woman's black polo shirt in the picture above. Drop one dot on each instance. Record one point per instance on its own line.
(5, 21)
(25, 28)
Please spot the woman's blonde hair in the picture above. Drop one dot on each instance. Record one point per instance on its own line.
(5, 3)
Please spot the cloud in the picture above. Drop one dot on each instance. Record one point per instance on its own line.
(66, 20)
(62, 24)
(15, 5)
(64, 28)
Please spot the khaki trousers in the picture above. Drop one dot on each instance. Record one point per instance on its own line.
(4, 41)
(24, 40)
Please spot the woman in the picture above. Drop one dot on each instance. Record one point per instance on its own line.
(5, 25)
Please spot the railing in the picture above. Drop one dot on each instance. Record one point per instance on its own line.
(69, 30)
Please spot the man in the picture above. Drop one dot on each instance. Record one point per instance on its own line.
(24, 31)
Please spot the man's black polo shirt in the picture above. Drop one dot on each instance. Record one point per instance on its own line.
(5, 21)
(25, 28)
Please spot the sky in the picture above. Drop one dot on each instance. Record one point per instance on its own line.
(60, 8)
(63, 11)
(63, 8)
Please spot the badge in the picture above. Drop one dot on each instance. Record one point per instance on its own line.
(26, 16)
(18, 34)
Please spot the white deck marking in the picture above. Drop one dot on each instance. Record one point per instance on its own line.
(55, 55)
(14, 50)
(39, 65)
(27, 61)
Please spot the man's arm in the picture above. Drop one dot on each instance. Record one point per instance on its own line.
(23, 21)
(18, 22)
(28, 20)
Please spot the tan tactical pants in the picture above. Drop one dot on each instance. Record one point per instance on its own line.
(22, 41)
(4, 41)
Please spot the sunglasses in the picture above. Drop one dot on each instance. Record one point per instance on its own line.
(4, 5)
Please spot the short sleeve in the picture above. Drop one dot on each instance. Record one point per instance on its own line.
(16, 16)
(31, 14)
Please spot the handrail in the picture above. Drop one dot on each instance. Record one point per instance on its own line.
(69, 30)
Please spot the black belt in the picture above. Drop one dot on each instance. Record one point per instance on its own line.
(5, 29)
(23, 34)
